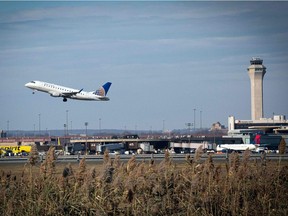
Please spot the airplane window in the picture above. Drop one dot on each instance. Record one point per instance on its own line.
(32, 82)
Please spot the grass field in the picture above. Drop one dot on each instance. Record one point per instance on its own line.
(18, 168)
(193, 187)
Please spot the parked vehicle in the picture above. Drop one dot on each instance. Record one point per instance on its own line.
(8, 153)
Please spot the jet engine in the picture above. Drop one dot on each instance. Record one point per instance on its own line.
(55, 94)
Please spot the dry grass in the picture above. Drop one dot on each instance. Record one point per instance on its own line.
(239, 187)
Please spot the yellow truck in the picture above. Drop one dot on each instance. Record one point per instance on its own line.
(14, 150)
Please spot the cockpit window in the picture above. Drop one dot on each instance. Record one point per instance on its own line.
(32, 82)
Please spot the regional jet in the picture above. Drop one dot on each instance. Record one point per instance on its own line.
(65, 92)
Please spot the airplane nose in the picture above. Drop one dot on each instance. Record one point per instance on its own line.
(28, 85)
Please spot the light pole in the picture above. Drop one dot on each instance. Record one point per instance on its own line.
(7, 128)
(86, 124)
(189, 130)
(67, 128)
(194, 119)
(64, 146)
(65, 131)
(99, 126)
(39, 116)
(200, 119)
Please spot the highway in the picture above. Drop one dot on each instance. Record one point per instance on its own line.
(141, 157)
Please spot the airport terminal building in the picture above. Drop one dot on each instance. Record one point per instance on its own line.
(265, 132)
(276, 124)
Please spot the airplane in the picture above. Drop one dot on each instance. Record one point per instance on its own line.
(235, 147)
(65, 92)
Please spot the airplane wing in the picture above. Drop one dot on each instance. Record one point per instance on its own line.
(69, 94)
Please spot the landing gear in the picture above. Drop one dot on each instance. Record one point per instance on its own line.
(64, 99)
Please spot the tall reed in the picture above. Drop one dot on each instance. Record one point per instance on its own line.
(239, 186)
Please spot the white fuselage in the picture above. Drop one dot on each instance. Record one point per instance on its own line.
(65, 92)
(235, 147)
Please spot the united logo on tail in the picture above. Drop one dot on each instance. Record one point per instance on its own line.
(102, 91)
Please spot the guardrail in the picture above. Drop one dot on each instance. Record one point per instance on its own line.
(141, 157)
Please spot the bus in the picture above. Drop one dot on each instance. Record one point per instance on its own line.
(15, 150)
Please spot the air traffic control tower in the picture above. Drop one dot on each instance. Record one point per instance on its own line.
(256, 72)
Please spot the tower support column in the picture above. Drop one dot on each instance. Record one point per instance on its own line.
(256, 72)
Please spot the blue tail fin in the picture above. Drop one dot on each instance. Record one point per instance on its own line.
(103, 90)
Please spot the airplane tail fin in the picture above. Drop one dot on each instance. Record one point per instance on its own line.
(103, 90)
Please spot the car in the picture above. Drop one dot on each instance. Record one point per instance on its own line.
(24, 153)
(42, 153)
(8, 153)
(210, 151)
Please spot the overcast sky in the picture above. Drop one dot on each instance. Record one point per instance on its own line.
(164, 60)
